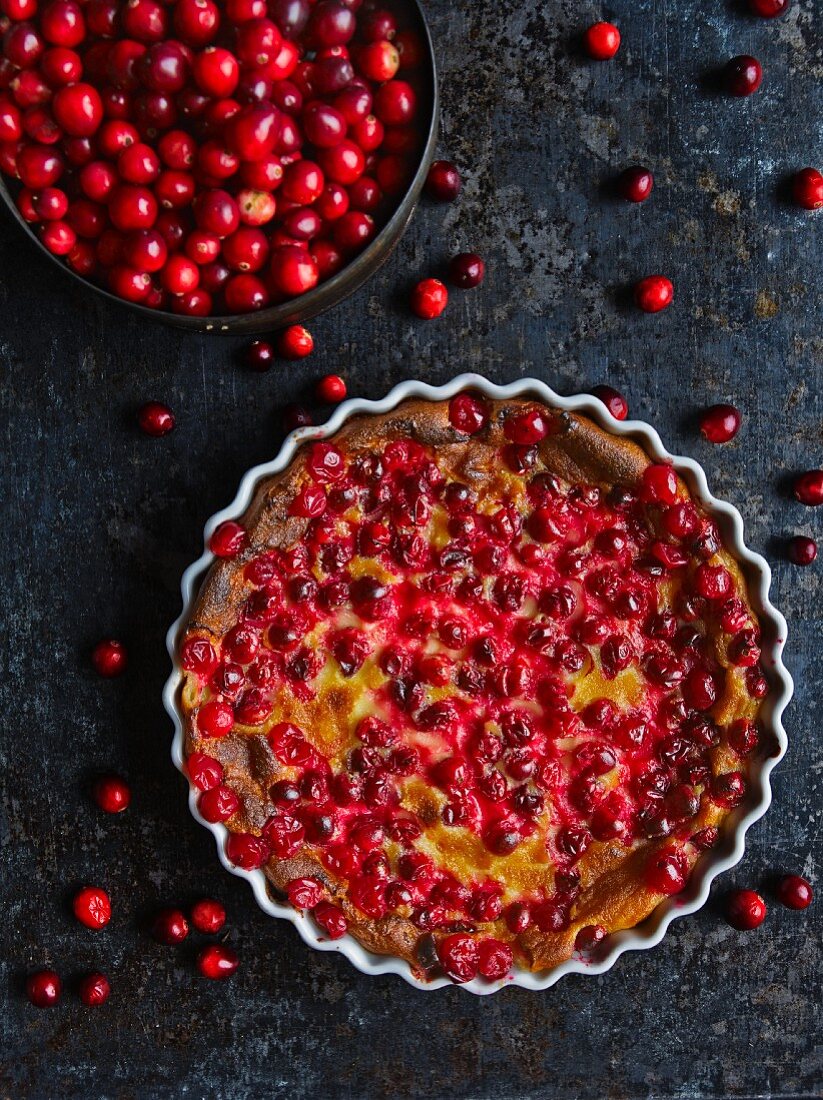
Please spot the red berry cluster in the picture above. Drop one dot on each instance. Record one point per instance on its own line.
(746, 909)
(207, 158)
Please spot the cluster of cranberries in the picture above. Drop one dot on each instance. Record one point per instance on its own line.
(206, 158)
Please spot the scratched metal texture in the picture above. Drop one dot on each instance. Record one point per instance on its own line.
(99, 522)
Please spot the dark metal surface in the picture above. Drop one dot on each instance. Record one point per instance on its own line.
(99, 522)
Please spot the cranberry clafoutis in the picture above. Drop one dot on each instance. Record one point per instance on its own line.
(474, 681)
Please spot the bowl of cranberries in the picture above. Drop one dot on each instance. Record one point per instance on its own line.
(228, 167)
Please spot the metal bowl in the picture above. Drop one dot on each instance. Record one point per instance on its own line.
(348, 279)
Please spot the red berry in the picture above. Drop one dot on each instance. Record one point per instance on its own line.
(155, 419)
(217, 961)
(170, 927)
(459, 956)
(745, 910)
(528, 428)
(443, 182)
(215, 718)
(330, 389)
(429, 298)
(602, 41)
(768, 9)
(720, 423)
(208, 916)
(43, 988)
(395, 103)
(494, 959)
(218, 804)
(466, 270)
(259, 356)
(742, 75)
(467, 413)
(807, 189)
(293, 271)
(228, 539)
(589, 937)
(802, 550)
(78, 109)
(794, 892)
(111, 793)
(331, 919)
(808, 488)
(614, 401)
(204, 771)
(653, 293)
(95, 989)
(92, 907)
(667, 871)
(635, 184)
(109, 658)
(295, 342)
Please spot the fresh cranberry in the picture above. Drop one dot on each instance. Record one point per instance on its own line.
(259, 355)
(94, 989)
(635, 184)
(466, 270)
(614, 401)
(429, 298)
(745, 910)
(443, 182)
(720, 423)
(768, 9)
(794, 892)
(217, 961)
(43, 988)
(208, 916)
(602, 41)
(170, 927)
(295, 342)
(112, 794)
(653, 293)
(92, 907)
(808, 488)
(802, 550)
(155, 419)
(807, 189)
(228, 539)
(742, 75)
(109, 658)
(330, 389)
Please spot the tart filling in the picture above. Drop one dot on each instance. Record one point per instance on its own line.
(476, 682)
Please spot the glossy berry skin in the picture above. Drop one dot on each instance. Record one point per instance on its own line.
(742, 75)
(429, 299)
(745, 910)
(217, 961)
(259, 356)
(635, 184)
(330, 389)
(92, 907)
(155, 419)
(43, 988)
(808, 488)
(807, 189)
(614, 401)
(654, 293)
(466, 270)
(602, 41)
(228, 539)
(802, 550)
(720, 423)
(109, 658)
(95, 989)
(208, 916)
(443, 182)
(768, 9)
(111, 794)
(295, 342)
(170, 927)
(794, 892)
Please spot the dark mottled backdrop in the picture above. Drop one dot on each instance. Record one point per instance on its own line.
(99, 522)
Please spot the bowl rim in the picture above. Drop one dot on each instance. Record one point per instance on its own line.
(321, 297)
(651, 930)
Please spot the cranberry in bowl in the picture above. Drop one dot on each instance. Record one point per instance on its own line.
(223, 168)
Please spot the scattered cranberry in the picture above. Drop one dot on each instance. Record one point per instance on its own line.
(602, 41)
(109, 658)
(228, 539)
(259, 355)
(745, 910)
(92, 907)
(217, 961)
(111, 793)
(635, 184)
(95, 989)
(295, 342)
(720, 423)
(330, 389)
(794, 892)
(768, 9)
(443, 183)
(653, 293)
(742, 75)
(466, 270)
(614, 401)
(807, 189)
(802, 550)
(808, 488)
(208, 916)
(155, 419)
(43, 988)
(589, 937)
(429, 298)
(296, 416)
(170, 927)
